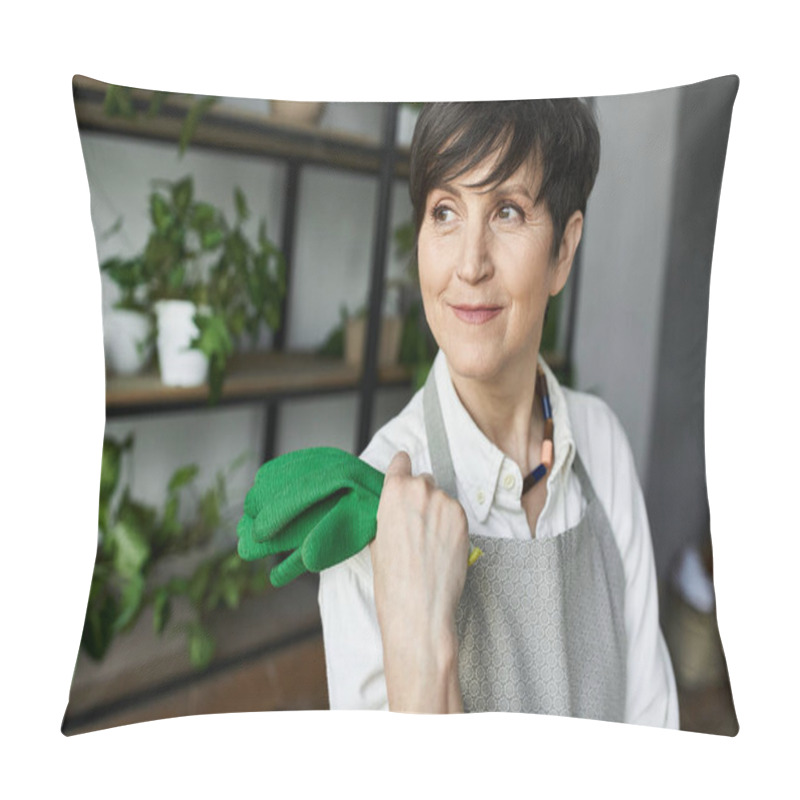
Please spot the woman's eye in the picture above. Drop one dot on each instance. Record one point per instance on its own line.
(442, 214)
(509, 212)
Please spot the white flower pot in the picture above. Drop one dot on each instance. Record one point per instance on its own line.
(125, 340)
(179, 364)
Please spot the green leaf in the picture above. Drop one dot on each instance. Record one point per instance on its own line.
(177, 586)
(98, 625)
(170, 526)
(214, 337)
(258, 580)
(156, 101)
(201, 646)
(211, 239)
(131, 603)
(209, 509)
(182, 193)
(231, 591)
(118, 102)
(112, 230)
(232, 563)
(126, 273)
(203, 215)
(182, 476)
(333, 347)
(162, 608)
(242, 212)
(198, 583)
(160, 213)
(196, 112)
(110, 468)
(131, 549)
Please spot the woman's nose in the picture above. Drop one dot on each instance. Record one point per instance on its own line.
(474, 264)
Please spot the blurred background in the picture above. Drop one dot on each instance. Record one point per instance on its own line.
(305, 211)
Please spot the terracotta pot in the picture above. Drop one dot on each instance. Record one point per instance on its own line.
(388, 345)
(294, 112)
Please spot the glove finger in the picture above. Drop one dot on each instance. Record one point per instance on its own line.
(288, 569)
(285, 470)
(285, 511)
(342, 533)
(309, 476)
(294, 532)
(247, 547)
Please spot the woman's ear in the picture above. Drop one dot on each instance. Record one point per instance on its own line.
(566, 252)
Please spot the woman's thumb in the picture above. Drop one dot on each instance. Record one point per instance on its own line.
(400, 465)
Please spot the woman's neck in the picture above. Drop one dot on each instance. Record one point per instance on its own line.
(507, 411)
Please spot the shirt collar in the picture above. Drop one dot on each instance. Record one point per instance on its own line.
(477, 461)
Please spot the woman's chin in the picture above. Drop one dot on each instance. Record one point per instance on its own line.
(472, 365)
(485, 365)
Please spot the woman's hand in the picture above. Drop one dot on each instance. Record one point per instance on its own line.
(419, 559)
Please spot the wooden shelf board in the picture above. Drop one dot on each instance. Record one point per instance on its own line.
(250, 375)
(233, 129)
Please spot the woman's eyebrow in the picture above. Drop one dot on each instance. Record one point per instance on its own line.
(447, 188)
(512, 188)
(500, 189)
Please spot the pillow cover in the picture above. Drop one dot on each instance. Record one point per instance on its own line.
(258, 287)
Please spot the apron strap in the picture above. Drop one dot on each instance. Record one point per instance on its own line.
(441, 462)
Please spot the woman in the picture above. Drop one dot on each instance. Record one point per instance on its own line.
(559, 614)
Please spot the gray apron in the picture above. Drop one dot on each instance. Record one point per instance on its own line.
(541, 621)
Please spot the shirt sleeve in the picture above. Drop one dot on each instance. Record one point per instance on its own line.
(350, 631)
(352, 636)
(652, 697)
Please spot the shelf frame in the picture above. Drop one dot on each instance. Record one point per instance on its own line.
(233, 130)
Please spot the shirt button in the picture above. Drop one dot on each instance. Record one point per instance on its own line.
(509, 481)
(480, 497)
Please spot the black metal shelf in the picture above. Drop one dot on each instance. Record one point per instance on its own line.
(233, 130)
(246, 133)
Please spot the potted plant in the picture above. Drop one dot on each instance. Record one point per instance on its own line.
(127, 327)
(137, 544)
(244, 290)
(206, 284)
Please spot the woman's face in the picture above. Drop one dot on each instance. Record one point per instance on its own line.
(486, 272)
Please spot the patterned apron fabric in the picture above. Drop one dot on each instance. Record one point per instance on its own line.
(541, 621)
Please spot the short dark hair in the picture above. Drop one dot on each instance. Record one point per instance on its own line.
(560, 137)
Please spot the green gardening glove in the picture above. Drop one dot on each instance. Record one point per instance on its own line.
(318, 504)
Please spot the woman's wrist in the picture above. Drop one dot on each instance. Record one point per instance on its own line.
(422, 677)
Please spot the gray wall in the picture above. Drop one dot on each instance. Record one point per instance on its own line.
(623, 260)
(643, 290)
(676, 493)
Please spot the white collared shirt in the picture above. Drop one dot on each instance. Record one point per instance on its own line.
(489, 488)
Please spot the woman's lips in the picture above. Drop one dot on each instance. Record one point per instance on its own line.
(476, 315)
